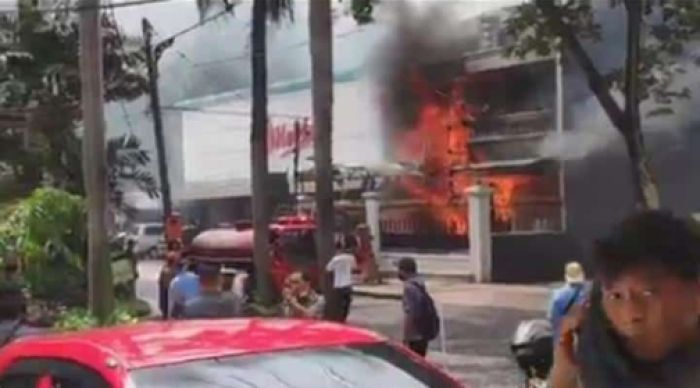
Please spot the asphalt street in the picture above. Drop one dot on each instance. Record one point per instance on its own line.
(475, 343)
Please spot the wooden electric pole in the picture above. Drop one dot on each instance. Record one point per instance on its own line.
(100, 290)
(259, 154)
(152, 57)
(297, 152)
(321, 50)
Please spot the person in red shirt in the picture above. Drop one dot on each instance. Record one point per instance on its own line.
(167, 273)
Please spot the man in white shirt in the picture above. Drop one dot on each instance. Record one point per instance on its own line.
(342, 266)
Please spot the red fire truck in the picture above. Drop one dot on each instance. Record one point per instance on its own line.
(292, 247)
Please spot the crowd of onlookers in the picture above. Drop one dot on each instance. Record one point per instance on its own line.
(190, 290)
(207, 290)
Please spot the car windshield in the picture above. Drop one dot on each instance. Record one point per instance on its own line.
(361, 366)
(153, 230)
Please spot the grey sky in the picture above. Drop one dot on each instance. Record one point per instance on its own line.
(177, 14)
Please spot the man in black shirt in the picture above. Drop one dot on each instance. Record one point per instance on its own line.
(641, 327)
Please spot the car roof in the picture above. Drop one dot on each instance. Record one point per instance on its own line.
(160, 343)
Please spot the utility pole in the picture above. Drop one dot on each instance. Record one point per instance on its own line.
(100, 290)
(152, 57)
(297, 151)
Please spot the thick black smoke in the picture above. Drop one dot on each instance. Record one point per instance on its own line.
(428, 40)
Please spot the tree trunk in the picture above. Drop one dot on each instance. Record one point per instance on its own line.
(258, 156)
(627, 122)
(645, 190)
(321, 46)
(100, 289)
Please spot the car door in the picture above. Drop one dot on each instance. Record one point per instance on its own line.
(50, 373)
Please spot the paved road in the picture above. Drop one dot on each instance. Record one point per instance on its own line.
(147, 285)
(476, 345)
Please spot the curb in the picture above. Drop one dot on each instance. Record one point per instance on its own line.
(466, 277)
(382, 295)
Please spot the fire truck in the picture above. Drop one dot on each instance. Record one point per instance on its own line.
(292, 248)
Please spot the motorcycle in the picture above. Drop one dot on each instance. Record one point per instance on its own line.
(532, 348)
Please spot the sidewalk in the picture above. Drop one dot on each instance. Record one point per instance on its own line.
(444, 265)
(447, 291)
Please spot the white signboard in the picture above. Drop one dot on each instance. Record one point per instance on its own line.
(216, 139)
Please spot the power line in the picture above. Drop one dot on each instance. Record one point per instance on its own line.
(289, 47)
(202, 22)
(79, 8)
(227, 112)
(169, 41)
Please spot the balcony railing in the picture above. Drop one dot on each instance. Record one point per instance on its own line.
(513, 124)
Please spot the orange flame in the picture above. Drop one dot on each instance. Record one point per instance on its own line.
(438, 142)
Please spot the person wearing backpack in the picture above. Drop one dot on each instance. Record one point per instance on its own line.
(421, 321)
(569, 295)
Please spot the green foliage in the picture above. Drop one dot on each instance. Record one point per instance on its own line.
(258, 308)
(668, 25)
(80, 319)
(362, 11)
(276, 9)
(44, 61)
(47, 231)
(532, 33)
(128, 162)
(48, 217)
(40, 73)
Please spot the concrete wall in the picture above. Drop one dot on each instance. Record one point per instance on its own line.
(526, 258)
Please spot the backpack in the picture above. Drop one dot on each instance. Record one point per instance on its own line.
(427, 320)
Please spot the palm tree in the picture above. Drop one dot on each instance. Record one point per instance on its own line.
(262, 11)
(321, 46)
(127, 166)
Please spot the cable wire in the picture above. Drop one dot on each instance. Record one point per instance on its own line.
(198, 24)
(228, 112)
(79, 8)
(289, 47)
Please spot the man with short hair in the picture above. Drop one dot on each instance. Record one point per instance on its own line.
(642, 326)
(421, 322)
(300, 299)
(342, 266)
(184, 286)
(211, 302)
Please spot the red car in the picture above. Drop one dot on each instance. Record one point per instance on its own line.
(223, 353)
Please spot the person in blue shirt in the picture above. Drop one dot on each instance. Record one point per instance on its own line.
(185, 286)
(565, 297)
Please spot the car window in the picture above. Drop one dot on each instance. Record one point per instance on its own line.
(368, 366)
(26, 373)
(19, 381)
(34, 381)
(154, 230)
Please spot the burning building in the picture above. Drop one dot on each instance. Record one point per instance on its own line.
(452, 111)
(531, 130)
(474, 118)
